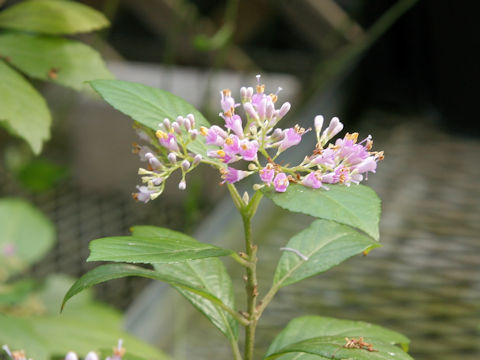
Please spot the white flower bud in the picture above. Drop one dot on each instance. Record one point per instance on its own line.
(318, 123)
(71, 356)
(182, 185)
(172, 158)
(91, 356)
(187, 124)
(192, 120)
(176, 128)
(185, 165)
(166, 123)
(180, 120)
(197, 159)
(193, 134)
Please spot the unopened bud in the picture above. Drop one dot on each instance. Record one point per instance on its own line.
(71, 356)
(187, 124)
(243, 93)
(252, 167)
(284, 110)
(318, 123)
(91, 356)
(176, 128)
(180, 120)
(182, 185)
(277, 134)
(250, 110)
(193, 134)
(257, 187)
(192, 120)
(166, 123)
(197, 159)
(172, 158)
(185, 165)
(245, 198)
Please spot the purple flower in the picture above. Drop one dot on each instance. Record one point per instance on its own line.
(143, 194)
(232, 175)
(231, 145)
(281, 182)
(326, 158)
(234, 123)
(227, 102)
(222, 155)
(248, 150)
(167, 140)
(214, 136)
(267, 173)
(333, 129)
(312, 180)
(292, 136)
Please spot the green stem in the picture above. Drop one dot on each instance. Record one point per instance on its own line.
(235, 350)
(251, 287)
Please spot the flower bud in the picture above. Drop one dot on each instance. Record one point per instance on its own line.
(91, 356)
(166, 123)
(180, 120)
(185, 165)
(193, 134)
(197, 159)
(252, 167)
(187, 124)
(192, 120)
(318, 124)
(172, 158)
(250, 110)
(71, 356)
(176, 128)
(182, 185)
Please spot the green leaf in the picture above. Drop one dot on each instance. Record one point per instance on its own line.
(300, 356)
(166, 246)
(325, 244)
(66, 62)
(52, 17)
(332, 347)
(25, 236)
(23, 110)
(115, 271)
(149, 106)
(307, 327)
(41, 174)
(211, 275)
(208, 274)
(44, 337)
(356, 205)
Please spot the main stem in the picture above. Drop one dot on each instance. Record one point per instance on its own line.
(251, 287)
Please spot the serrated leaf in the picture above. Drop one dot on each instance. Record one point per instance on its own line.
(66, 62)
(149, 106)
(332, 347)
(21, 245)
(307, 327)
(325, 244)
(211, 275)
(23, 110)
(115, 271)
(357, 205)
(52, 17)
(167, 246)
(208, 274)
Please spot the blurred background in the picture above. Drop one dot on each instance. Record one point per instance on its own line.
(405, 71)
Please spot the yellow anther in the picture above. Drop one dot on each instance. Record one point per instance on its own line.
(274, 97)
(221, 153)
(161, 135)
(203, 131)
(260, 89)
(353, 137)
(226, 92)
(229, 141)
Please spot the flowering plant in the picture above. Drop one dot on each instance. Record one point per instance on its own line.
(325, 185)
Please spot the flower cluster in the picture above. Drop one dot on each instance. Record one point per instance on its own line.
(117, 353)
(253, 136)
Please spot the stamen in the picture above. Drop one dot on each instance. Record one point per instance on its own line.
(296, 252)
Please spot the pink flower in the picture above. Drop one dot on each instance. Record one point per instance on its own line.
(248, 150)
(214, 136)
(326, 158)
(227, 102)
(143, 194)
(167, 140)
(234, 123)
(232, 175)
(312, 180)
(222, 155)
(369, 164)
(231, 146)
(292, 137)
(281, 182)
(267, 174)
